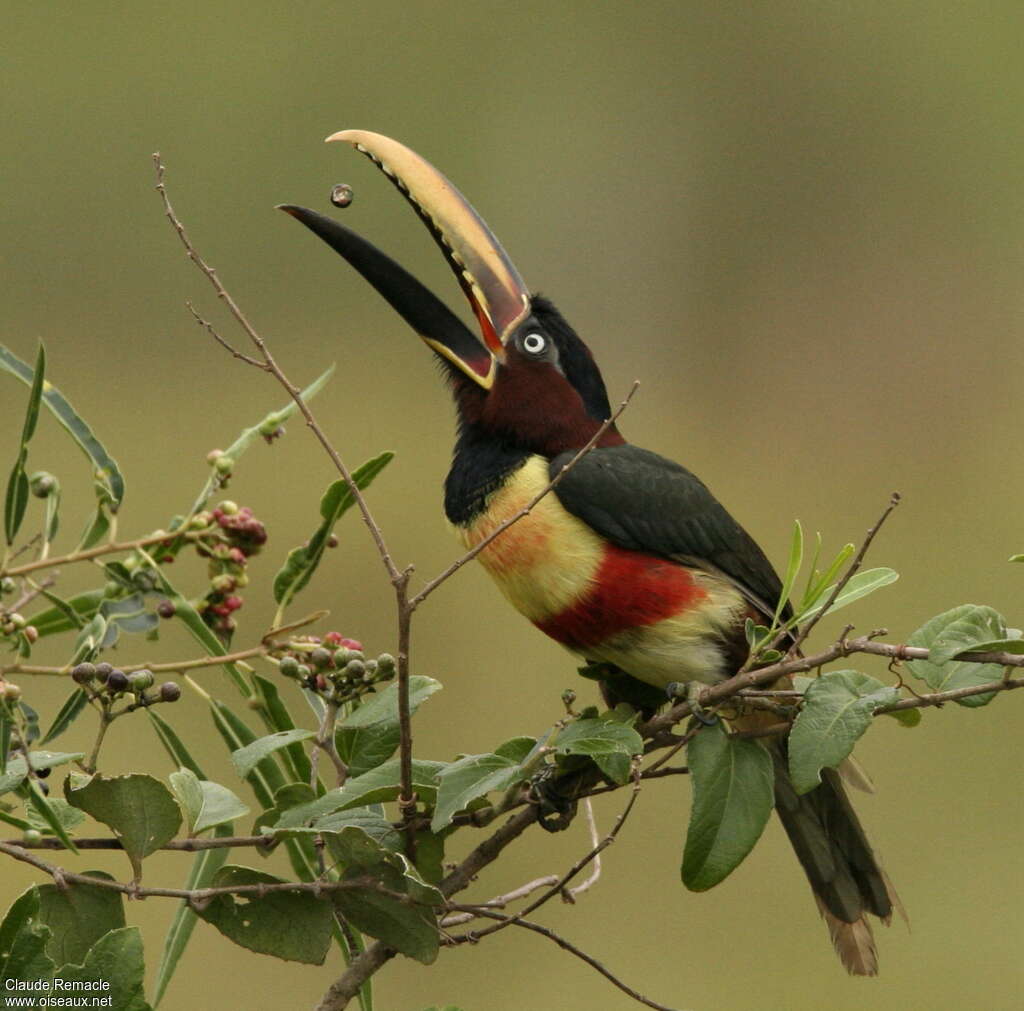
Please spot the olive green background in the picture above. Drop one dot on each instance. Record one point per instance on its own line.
(798, 224)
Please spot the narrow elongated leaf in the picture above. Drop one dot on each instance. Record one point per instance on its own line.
(733, 797)
(950, 630)
(116, 958)
(469, 778)
(56, 619)
(245, 759)
(860, 585)
(17, 485)
(6, 729)
(337, 500)
(837, 709)
(266, 777)
(796, 557)
(68, 816)
(276, 717)
(138, 809)
(295, 926)
(43, 808)
(105, 470)
(204, 868)
(79, 915)
(69, 712)
(173, 744)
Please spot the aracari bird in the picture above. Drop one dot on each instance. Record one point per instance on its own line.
(630, 560)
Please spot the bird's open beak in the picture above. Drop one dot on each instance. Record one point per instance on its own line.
(496, 293)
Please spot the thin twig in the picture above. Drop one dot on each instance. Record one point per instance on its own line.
(102, 549)
(510, 921)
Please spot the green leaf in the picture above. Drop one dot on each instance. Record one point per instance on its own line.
(370, 735)
(89, 639)
(469, 778)
(78, 915)
(733, 796)
(23, 941)
(266, 777)
(17, 770)
(295, 926)
(41, 805)
(173, 744)
(276, 717)
(818, 583)
(972, 626)
(950, 631)
(367, 819)
(408, 924)
(68, 816)
(837, 709)
(337, 500)
(599, 737)
(245, 759)
(374, 787)
(56, 619)
(204, 867)
(796, 557)
(860, 585)
(203, 803)
(116, 959)
(138, 809)
(96, 528)
(110, 483)
(6, 729)
(906, 717)
(16, 501)
(69, 712)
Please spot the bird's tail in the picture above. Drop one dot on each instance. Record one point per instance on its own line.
(846, 878)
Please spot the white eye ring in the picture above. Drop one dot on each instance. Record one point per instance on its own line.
(534, 344)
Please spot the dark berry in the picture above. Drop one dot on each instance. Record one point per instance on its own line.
(170, 691)
(117, 681)
(103, 671)
(166, 609)
(83, 673)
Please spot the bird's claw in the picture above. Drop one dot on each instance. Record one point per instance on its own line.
(689, 691)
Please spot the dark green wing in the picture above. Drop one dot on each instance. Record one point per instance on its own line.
(644, 502)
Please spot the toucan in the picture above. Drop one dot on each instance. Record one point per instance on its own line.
(629, 561)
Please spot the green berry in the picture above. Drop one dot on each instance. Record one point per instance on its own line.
(386, 662)
(321, 657)
(355, 669)
(11, 692)
(288, 667)
(224, 464)
(140, 680)
(7, 585)
(32, 837)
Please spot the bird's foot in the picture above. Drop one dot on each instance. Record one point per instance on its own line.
(689, 691)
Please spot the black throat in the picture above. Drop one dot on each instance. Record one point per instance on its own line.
(481, 464)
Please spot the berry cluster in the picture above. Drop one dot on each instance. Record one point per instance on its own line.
(105, 680)
(334, 666)
(13, 624)
(235, 535)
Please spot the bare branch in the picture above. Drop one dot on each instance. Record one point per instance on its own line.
(509, 921)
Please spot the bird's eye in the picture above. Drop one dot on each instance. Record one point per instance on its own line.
(534, 344)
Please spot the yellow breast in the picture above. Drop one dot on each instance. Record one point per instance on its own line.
(542, 562)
